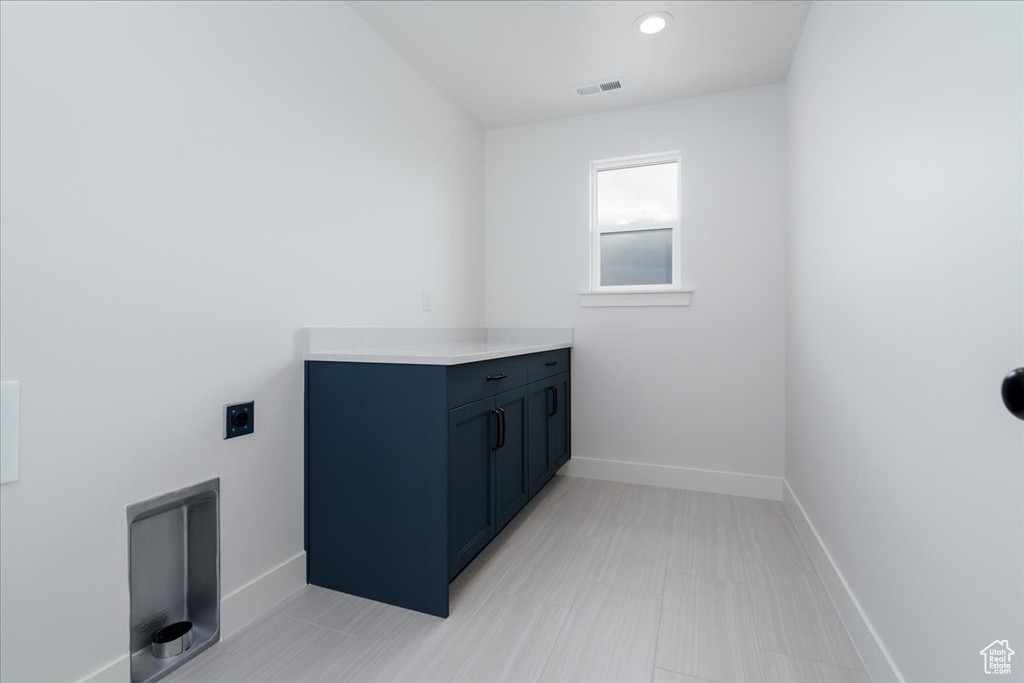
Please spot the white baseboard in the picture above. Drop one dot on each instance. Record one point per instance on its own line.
(879, 664)
(247, 603)
(117, 671)
(712, 481)
(237, 609)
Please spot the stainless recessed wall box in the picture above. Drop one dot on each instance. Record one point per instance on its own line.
(174, 579)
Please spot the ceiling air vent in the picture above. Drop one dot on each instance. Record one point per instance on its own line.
(597, 87)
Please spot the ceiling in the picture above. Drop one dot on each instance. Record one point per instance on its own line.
(509, 62)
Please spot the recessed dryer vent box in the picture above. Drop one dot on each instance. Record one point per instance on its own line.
(173, 574)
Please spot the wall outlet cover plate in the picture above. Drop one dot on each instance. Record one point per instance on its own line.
(239, 419)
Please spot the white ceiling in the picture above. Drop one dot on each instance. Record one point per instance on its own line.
(515, 61)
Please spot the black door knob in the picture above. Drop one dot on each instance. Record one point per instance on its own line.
(1013, 392)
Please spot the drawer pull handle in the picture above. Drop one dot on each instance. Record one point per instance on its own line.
(551, 362)
(491, 378)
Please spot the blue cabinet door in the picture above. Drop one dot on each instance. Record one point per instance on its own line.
(558, 422)
(472, 440)
(511, 485)
(539, 406)
(548, 425)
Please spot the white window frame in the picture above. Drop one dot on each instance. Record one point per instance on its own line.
(676, 226)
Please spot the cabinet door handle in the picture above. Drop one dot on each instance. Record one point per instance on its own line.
(501, 432)
(554, 400)
(551, 362)
(497, 430)
(491, 378)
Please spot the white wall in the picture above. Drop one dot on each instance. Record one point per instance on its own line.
(184, 186)
(905, 302)
(692, 387)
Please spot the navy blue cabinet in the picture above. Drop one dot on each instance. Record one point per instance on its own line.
(549, 429)
(376, 482)
(487, 474)
(512, 490)
(411, 470)
(473, 432)
(558, 422)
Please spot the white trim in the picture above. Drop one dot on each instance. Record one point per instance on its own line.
(638, 227)
(650, 159)
(247, 603)
(636, 161)
(675, 298)
(876, 658)
(669, 476)
(117, 671)
(237, 610)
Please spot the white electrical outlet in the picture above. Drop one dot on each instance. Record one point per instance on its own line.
(10, 399)
(427, 301)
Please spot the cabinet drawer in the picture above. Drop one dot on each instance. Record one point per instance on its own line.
(544, 365)
(473, 381)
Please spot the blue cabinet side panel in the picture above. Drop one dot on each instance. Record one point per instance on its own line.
(376, 482)
(305, 462)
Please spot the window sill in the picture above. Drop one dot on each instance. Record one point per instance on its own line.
(675, 298)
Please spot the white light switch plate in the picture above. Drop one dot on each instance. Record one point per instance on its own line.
(10, 399)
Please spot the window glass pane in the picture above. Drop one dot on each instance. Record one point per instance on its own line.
(638, 195)
(636, 257)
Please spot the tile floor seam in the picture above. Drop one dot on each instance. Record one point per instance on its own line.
(810, 575)
(487, 595)
(325, 628)
(748, 591)
(681, 673)
(661, 606)
(490, 626)
(590, 567)
(558, 636)
(813, 661)
(625, 588)
(615, 585)
(657, 631)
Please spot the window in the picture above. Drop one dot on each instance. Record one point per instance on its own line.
(635, 224)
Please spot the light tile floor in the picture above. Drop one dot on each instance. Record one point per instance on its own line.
(592, 581)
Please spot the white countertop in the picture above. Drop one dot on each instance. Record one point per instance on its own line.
(429, 346)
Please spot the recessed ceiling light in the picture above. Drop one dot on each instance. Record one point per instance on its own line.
(653, 22)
